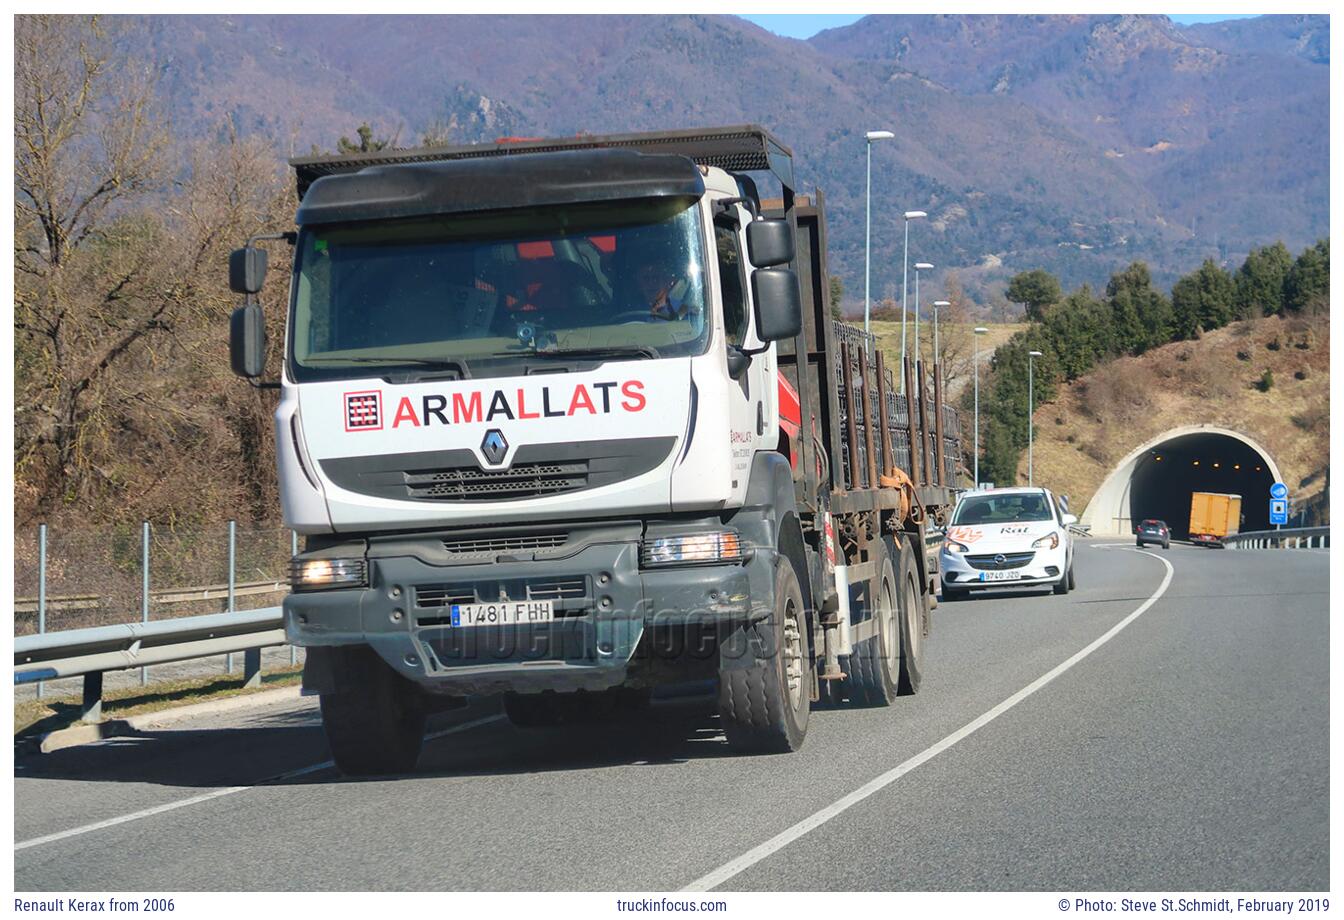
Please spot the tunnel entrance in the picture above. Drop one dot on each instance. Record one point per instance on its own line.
(1164, 477)
(1156, 481)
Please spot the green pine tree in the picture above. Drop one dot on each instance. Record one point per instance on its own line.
(1260, 281)
(1309, 279)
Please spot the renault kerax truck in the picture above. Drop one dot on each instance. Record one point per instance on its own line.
(568, 422)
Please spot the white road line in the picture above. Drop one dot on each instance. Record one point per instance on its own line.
(779, 841)
(220, 793)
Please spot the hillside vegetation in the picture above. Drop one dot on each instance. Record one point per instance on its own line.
(1069, 336)
(1098, 419)
(1073, 143)
(955, 343)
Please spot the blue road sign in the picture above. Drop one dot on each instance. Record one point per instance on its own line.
(1278, 490)
(1278, 511)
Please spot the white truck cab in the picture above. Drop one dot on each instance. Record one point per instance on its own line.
(538, 432)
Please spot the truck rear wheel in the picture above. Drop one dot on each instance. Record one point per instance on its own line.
(764, 704)
(873, 668)
(375, 724)
(914, 619)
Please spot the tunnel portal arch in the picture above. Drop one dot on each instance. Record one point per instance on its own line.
(1156, 479)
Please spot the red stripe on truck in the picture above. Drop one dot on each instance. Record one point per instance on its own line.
(790, 410)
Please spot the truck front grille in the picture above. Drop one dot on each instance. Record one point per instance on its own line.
(489, 546)
(443, 595)
(573, 588)
(557, 590)
(538, 471)
(523, 480)
(991, 563)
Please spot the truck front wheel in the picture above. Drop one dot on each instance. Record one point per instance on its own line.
(764, 697)
(375, 723)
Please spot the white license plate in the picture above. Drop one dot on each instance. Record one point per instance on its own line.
(505, 613)
(999, 576)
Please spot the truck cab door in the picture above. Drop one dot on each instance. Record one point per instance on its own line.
(750, 398)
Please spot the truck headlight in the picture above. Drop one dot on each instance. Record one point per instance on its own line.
(1049, 541)
(313, 574)
(690, 549)
(952, 546)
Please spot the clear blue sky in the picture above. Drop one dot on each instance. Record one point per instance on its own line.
(805, 25)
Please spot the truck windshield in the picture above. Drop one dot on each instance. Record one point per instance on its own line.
(497, 292)
(1003, 509)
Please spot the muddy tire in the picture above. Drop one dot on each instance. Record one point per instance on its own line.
(764, 703)
(375, 724)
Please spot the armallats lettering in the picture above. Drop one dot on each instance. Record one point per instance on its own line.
(601, 398)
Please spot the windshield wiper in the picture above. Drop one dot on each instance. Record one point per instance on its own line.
(449, 364)
(613, 351)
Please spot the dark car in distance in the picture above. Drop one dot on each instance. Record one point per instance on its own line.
(1153, 531)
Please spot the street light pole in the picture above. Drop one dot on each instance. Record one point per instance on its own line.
(868, 225)
(905, 271)
(1031, 410)
(975, 366)
(937, 355)
(919, 266)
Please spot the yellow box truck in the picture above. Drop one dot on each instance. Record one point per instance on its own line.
(1213, 516)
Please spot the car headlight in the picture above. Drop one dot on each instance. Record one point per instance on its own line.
(314, 574)
(1049, 541)
(952, 546)
(724, 546)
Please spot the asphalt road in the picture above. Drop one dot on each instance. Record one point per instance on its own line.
(1185, 750)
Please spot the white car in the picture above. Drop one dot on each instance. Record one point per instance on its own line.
(1006, 538)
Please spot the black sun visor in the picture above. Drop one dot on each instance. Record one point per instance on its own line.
(523, 180)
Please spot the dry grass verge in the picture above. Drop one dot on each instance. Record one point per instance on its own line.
(36, 717)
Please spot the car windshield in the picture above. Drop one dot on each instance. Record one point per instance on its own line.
(491, 292)
(1003, 509)
(1153, 524)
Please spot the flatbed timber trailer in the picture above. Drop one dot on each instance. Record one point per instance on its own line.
(520, 472)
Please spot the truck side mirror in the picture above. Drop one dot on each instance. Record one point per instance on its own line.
(247, 340)
(247, 270)
(779, 305)
(769, 243)
(1069, 520)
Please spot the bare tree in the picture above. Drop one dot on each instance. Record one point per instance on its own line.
(120, 301)
(955, 348)
(86, 142)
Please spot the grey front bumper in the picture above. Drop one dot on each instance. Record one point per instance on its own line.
(606, 610)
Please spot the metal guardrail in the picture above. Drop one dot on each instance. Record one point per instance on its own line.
(1287, 538)
(165, 596)
(91, 652)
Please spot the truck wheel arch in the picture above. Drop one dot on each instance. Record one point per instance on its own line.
(771, 493)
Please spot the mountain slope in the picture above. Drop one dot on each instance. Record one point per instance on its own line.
(1307, 37)
(1220, 135)
(1074, 143)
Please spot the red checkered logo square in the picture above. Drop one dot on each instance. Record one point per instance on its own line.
(364, 411)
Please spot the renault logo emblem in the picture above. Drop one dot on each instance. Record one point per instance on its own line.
(1000, 558)
(494, 447)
